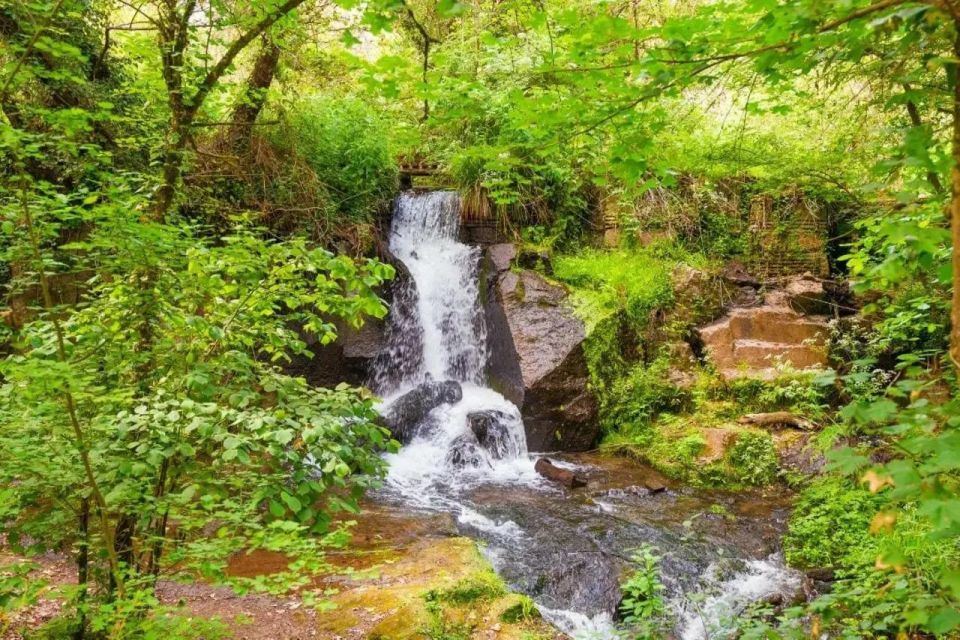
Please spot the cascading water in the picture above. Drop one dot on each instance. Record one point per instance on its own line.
(480, 437)
(465, 453)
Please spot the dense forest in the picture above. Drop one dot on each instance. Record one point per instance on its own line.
(700, 252)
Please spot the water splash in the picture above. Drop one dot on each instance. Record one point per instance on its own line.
(713, 613)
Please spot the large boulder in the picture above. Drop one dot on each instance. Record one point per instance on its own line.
(465, 451)
(404, 415)
(347, 359)
(812, 295)
(537, 357)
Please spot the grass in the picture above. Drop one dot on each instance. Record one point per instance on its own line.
(606, 281)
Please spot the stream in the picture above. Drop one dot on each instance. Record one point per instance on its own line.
(568, 549)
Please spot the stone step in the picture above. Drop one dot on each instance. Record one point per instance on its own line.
(760, 354)
(751, 341)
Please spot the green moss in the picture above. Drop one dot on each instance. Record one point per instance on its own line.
(479, 586)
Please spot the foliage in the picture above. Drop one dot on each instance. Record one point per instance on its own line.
(347, 144)
(643, 608)
(605, 281)
(831, 521)
(754, 458)
(640, 396)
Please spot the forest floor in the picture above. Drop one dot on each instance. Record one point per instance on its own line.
(380, 591)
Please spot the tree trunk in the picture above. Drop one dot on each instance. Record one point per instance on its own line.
(254, 96)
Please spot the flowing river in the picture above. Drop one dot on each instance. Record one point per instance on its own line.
(568, 549)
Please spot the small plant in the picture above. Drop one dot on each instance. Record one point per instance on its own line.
(643, 607)
(754, 458)
(439, 627)
(523, 610)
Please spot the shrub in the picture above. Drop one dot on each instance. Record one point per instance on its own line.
(635, 400)
(831, 520)
(754, 458)
(346, 143)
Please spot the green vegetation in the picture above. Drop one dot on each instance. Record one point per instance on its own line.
(193, 195)
(643, 608)
(832, 522)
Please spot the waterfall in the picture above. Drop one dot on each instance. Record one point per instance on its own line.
(437, 333)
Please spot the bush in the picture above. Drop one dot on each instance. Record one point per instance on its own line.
(754, 458)
(346, 143)
(831, 521)
(635, 400)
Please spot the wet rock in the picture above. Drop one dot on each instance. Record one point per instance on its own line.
(503, 365)
(465, 451)
(557, 474)
(406, 413)
(559, 410)
(401, 352)
(490, 429)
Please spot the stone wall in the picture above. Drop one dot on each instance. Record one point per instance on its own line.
(787, 235)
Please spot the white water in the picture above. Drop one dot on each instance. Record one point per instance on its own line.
(449, 317)
(713, 613)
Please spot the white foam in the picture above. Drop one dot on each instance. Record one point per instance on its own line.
(713, 613)
(502, 529)
(580, 626)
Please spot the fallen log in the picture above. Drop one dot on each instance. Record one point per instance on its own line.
(777, 419)
(556, 474)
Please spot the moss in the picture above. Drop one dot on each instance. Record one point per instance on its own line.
(482, 585)
(436, 588)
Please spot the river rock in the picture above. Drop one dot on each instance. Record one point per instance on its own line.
(490, 429)
(537, 358)
(557, 474)
(406, 413)
(465, 451)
